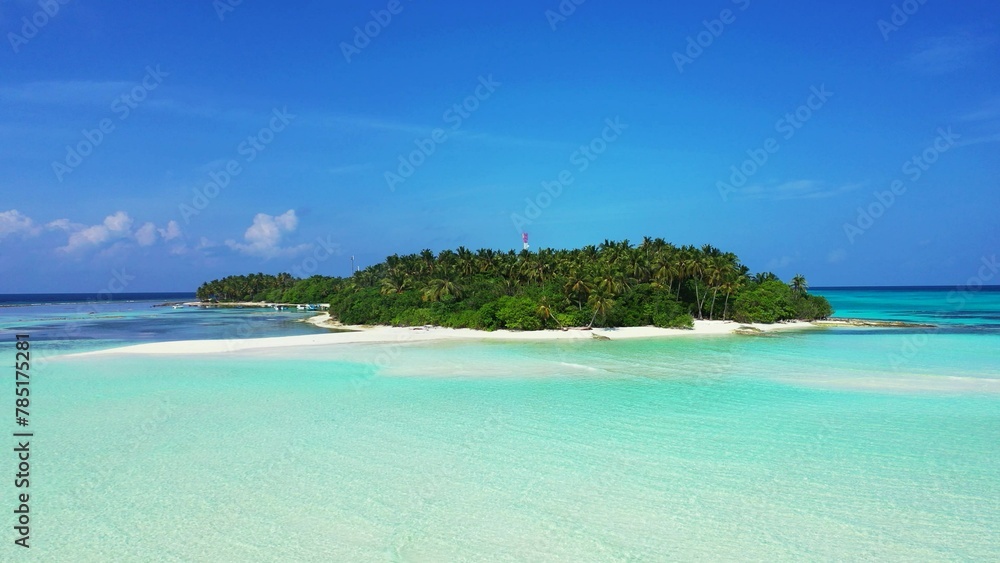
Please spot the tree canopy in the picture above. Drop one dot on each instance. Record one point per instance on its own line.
(611, 284)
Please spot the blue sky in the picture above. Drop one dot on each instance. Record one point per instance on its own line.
(645, 111)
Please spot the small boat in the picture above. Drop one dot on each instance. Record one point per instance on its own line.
(301, 307)
(177, 306)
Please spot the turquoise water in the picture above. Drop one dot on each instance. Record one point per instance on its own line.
(971, 307)
(838, 444)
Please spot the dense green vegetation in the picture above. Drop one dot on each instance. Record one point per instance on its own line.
(613, 284)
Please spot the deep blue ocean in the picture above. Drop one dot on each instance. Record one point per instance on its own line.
(10, 299)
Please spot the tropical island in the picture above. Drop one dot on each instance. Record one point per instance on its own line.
(614, 284)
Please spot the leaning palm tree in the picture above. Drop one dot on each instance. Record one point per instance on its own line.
(731, 286)
(602, 303)
(545, 311)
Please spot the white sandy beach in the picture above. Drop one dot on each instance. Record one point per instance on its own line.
(397, 335)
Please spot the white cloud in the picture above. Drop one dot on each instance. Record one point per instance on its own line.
(114, 227)
(263, 238)
(118, 223)
(63, 225)
(172, 231)
(287, 220)
(15, 222)
(146, 235)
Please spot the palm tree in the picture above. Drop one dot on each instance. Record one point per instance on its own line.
(696, 272)
(799, 284)
(602, 303)
(427, 257)
(545, 311)
(612, 284)
(393, 263)
(577, 288)
(638, 266)
(721, 269)
(395, 284)
(647, 246)
(438, 289)
(714, 274)
(486, 259)
(732, 285)
(685, 263)
(366, 277)
(764, 277)
(465, 261)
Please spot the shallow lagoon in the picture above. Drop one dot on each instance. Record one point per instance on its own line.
(796, 445)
